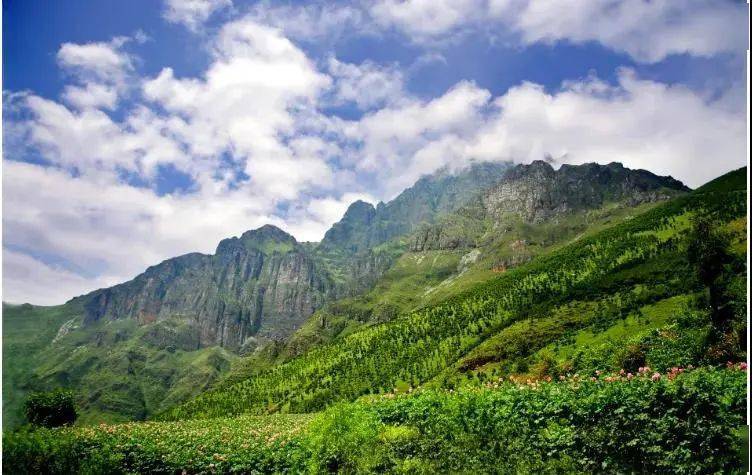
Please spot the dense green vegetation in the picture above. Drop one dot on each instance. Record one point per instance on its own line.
(648, 250)
(615, 348)
(27, 331)
(51, 409)
(684, 421)
(128, 372)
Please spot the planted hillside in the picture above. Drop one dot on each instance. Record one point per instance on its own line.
(646, 250)
(684, 421)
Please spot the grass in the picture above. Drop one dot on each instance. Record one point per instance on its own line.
(27, 330)
(120, 371)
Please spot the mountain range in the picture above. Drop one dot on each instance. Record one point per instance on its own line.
(197, 321)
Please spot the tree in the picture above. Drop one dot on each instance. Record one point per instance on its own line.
(51, 409)
(708, 252)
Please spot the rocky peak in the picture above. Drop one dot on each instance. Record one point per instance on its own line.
(266, 239)
(537, 192)
(353, 226)
(441, 192)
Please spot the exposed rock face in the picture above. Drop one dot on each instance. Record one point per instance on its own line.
(459, 230)
(263, 283)
(364, 226)
(537, 192)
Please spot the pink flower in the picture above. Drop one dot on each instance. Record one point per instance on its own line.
(656, 376)
(593, 378)
(743, 366)
(641, 370)
(630, 376)
(621, 372)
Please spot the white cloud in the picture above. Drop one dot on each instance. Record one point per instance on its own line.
(315, 21)
(102, 61)
(192, 13)
(101, 69)
(649, 31)
(26, 279)
(641, 123)
(391, 138)
(427, 19)
(90, 142)
(245, 105)
(367, 85)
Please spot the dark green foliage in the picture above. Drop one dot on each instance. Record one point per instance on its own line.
(51, 409)
(682, 424)
(709, 251)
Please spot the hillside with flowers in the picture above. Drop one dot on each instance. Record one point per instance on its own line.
(623, 350)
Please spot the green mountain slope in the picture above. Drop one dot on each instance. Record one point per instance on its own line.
(583, 358)
(644, 252)
(137, 348)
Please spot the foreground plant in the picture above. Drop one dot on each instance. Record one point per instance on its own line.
(684, 421)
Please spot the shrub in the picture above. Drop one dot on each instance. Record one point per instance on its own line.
(51, 409)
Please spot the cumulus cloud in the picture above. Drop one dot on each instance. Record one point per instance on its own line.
(192, 13)
(253, 134)
(641, 123)
(367, 85)
(100, 70)
(314, 21)
(28, 280)
(648, 31)
(244, 107)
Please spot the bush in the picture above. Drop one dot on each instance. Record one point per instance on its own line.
(684, 422)
(51, 409)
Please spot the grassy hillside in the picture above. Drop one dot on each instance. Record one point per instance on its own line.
(647, 251)
(119, 370)
(27, 331)
(427, 277)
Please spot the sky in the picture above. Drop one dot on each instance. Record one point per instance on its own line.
(141, 130)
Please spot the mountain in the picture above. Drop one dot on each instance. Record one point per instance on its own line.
(620, 298)
(195, 321)
(537, 192)
(364, 226)
(263, 283)
(482, 367)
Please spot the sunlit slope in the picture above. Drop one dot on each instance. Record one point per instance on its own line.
(421, 278)
(416, 347)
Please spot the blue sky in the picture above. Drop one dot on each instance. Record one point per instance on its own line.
(136, 131)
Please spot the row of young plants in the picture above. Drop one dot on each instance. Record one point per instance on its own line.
(416, 347)
(683, 421)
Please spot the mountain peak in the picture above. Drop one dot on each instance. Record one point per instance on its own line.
(537, 192)
(268, 231)
(266, 239)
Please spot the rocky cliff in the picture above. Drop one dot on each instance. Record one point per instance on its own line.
(262, 284)
(536, 193)
(432, 196)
